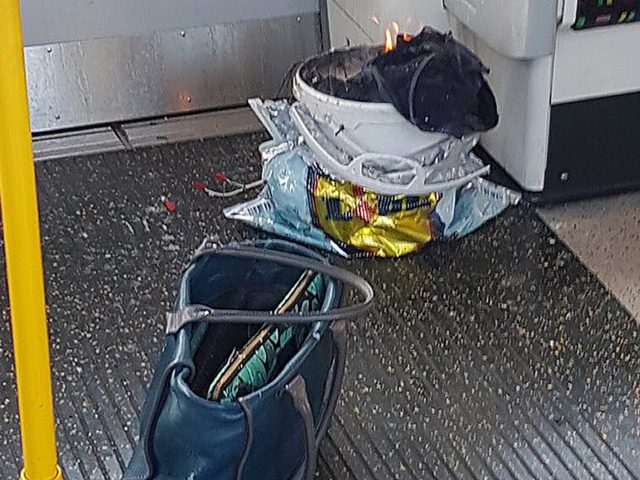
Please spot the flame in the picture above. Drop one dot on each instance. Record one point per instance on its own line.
(388, 46)
(375, 20)
(396, 27)
(407, 37)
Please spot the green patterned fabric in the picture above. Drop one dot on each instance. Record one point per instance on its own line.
(283, 342)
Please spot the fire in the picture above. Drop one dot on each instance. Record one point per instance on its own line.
(388, 46)
(390, 38)
(375, 20)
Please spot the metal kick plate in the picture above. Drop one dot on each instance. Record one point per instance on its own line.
(70, 144)
(113, 79)
(192, 127)
(182, 128)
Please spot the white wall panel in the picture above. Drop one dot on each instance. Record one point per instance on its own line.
(596, 62)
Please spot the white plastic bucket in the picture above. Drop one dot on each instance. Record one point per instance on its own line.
(373, 127)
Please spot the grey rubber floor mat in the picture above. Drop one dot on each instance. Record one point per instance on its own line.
(496, 356)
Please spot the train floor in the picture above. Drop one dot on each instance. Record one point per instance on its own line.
(497, 356)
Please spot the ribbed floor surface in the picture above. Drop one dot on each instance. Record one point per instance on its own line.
(497, 356)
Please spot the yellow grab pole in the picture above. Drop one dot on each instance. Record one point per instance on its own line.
(23, 257)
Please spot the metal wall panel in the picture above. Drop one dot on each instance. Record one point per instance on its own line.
(55, 21)
(119, 78)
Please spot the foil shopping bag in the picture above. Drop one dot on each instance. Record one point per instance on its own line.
(364, 221)
(303, 202)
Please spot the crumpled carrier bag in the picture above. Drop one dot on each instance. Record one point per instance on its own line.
(302, 202)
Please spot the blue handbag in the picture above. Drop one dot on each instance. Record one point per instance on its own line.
(272, 433)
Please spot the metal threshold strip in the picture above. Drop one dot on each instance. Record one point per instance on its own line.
(144, 133)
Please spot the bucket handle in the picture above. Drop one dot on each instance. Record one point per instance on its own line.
(354, 171)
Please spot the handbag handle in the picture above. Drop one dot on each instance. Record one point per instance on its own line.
(297, 390)
(200, 313)
(141, 465)
(339, 332)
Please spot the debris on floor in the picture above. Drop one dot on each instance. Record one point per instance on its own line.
(237, 187)
(168, 204)
(440, 327)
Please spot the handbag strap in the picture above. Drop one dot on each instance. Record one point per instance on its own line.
(200, 313)
(297, 390)
(339, 331)
(141, 465)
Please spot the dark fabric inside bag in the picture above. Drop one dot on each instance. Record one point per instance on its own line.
(254, 289)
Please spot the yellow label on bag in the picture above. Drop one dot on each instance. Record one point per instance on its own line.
(383, 225)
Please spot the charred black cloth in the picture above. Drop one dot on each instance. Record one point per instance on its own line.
(437, 83)
(433, 80)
